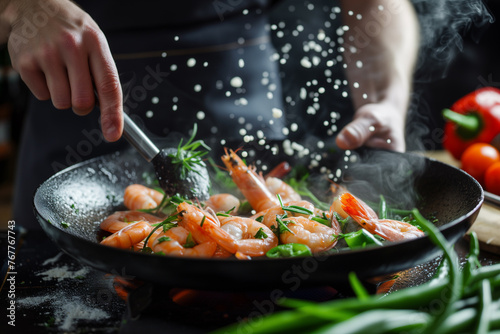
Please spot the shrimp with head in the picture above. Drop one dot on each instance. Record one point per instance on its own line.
(317, 236)
(223, 203)
(279, 187)
(251, 237)
(392, 230)
(175, 241)
(129, 236)
(251, 184)
(121, 219)
(138, 197)
(205, 226)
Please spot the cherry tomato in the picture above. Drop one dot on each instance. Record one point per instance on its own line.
(477, 158)
(492, 178)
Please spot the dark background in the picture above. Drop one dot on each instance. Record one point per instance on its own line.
(472, 62)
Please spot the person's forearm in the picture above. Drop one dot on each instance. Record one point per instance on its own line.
(381, 47)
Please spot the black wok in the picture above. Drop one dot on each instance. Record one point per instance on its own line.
(84, 194)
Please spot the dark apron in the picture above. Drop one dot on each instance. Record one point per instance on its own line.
(214, 63)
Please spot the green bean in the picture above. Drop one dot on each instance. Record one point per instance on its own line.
(485, 308)
(358, 287)
(382, 208)
(455, 282)
(404, 310)
(378, 321)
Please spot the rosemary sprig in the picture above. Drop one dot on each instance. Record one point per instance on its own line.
(187, 157)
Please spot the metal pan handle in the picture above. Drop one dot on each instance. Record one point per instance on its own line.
(138, 139)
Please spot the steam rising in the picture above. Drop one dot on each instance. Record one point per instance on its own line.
(443, 23)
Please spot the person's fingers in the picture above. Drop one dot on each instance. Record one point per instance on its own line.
(30, 72)
(108, 88)
(82, 89)
(57, 80)
(36, 82)
(355, 134)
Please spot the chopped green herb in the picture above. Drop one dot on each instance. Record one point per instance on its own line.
(65, 224)
(260, 234)
(190, 243)
(203, 221)
(163, 239)
(260, 218)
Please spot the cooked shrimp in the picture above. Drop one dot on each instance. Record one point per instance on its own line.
(173, 242)
(138, 197)
(244, 232)
(223, 203)
(392, 230)
(336, 206)
(269, 215)
(121, 219)
(317, 236)
(277, 186)
(202, 224)
(251, 185)
(128, 236)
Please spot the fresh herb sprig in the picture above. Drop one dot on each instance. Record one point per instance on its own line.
(187, 155)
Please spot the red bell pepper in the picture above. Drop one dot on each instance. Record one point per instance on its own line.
(475, 118)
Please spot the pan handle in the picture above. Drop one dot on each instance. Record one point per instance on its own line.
(138, 139)
(492, 199)
(135, 136)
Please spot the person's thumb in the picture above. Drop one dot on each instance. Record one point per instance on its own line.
(354, 134)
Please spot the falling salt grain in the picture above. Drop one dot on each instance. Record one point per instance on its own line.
(355, 85)
(294, 127)
(320, 144)
(365, 96)
(277, 113)
(389, 141)
(191, 62)
(236, 82)
(176, 38)
(197, 88)
(155, 100)
(241, 63)
(163, 54)
(371, 128)
(305, 62)
(285, 131)
(200, 115)
(359, 64)
(173, 67)
(149, 113)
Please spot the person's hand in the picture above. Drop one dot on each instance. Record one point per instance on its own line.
(61, 55)
(378, 125)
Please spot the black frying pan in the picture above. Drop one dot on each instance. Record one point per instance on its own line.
(84, 194)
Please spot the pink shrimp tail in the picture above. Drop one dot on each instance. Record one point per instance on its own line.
(356, 208)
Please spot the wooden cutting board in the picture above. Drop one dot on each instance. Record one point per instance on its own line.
(487, 224)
